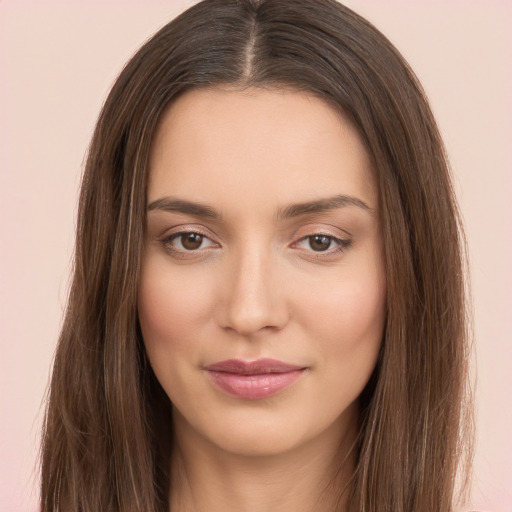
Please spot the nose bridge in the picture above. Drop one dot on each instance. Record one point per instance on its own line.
(254, 300)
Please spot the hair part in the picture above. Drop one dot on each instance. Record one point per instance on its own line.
(107, 441)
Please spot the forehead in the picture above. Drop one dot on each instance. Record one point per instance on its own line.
(286, 145)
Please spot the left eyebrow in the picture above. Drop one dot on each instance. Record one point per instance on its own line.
(321, 205)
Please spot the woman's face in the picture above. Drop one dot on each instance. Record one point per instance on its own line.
(262, 294)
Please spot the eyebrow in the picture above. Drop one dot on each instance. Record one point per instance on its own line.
(321, 205)
(170, 204)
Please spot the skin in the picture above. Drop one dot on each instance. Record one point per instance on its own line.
(259, 286)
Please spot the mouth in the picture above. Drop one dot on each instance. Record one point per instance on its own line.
(253, 380)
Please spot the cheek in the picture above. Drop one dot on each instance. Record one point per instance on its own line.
(356, 313)
(346, 318)
(172, 308)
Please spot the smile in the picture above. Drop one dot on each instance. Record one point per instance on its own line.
(253, 380)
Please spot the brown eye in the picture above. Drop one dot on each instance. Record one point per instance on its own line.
(187, 242)
(320, 242)
(191, 241)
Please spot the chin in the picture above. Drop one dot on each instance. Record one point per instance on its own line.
(258, 444)
(260, 433)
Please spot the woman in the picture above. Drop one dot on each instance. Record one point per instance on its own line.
(267, 310)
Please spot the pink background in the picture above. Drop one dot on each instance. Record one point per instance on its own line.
(57, 61)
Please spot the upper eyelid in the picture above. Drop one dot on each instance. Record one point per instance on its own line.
(182, 229)
(324, 229)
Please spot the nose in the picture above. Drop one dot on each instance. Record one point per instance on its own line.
(254, 297)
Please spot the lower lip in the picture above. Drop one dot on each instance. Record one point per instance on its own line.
(254, 387)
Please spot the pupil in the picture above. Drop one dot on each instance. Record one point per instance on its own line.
(319, 242)
(191, 241)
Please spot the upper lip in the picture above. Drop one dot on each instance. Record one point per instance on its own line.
(257, 367)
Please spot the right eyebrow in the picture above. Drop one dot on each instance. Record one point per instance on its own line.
(168, 204)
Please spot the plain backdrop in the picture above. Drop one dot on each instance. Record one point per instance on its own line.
(57, 62)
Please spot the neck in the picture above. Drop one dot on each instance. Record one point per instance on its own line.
(311, 477)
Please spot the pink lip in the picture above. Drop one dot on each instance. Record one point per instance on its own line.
(253, 380)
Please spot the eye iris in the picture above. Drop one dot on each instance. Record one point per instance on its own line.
(191, 241)
(319, 242)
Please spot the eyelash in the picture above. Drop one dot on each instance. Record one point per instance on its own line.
(167, 243)
(343, 244)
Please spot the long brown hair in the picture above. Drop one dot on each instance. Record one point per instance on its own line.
(108, 422)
